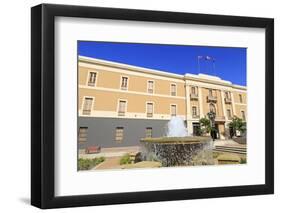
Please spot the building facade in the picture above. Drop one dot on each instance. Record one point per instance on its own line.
(119, 103)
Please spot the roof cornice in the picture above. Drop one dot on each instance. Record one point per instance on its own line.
(201, 77)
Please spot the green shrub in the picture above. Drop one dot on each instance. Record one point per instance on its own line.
(86, 164)
(243, 161)
(99, 160)
(125, 159)
(216, 154)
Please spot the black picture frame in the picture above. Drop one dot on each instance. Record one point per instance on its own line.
(43, 105)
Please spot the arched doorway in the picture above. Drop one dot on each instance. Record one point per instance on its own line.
(215, 131)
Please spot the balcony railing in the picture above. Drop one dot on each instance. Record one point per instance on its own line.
(195, 116)
(86, 112)
(229, 117)
(227, 100)
(150, 91)
(220, 118)
(211, 98)
(193, 96)
(149, 114)
(92, 84)
(120, 113)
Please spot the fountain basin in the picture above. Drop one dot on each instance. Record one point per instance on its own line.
(175, 151)
(187, 139)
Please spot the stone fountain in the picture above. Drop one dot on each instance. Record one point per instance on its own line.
(177, 148)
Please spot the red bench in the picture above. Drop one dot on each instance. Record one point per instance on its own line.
(92, 149)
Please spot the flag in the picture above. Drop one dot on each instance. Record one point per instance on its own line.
(199, 56)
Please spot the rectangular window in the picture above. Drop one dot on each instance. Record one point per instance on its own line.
(92, 79)
(243, 115)
(193, 90)
(124, 83)
(173, 110)
(82, 134)
(240, 98)
(122, 108)
(148, 132)
(149, 109)
(211, 92)
(194, 93)
(229, 114)
(87, 108)
(227, 95)
(119, 134)
(194, 111)
(150, 86)
(173, 89)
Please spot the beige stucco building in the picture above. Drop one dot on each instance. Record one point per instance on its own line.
(120, 94)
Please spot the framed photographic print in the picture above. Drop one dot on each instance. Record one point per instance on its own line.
(140, 106)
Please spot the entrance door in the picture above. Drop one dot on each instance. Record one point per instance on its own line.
(215, 133)
(231, 132)
(196, 129)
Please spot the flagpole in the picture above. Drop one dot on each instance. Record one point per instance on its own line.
(214, 67)
(198, 64)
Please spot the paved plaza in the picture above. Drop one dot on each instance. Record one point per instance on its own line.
(113, 155)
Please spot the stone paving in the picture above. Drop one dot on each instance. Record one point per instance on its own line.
(114, 154)
(109, 163)
(111, 152)
(228, 142)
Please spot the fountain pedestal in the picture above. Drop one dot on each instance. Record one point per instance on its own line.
(175, 151)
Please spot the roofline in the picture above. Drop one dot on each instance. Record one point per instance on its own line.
(200, 77)
(130, 67)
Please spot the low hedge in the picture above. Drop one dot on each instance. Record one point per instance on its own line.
(86, 164)
(125, 159)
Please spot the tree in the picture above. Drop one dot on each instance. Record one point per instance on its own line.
(238, 124)
(205, 125)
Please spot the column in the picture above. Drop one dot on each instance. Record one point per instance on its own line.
(187, 101)
(188, 115)
(233, 104)
(223, 104)
(200, 102)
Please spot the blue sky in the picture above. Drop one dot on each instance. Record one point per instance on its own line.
(224, 62)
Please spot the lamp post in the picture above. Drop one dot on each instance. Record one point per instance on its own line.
(212, 116)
